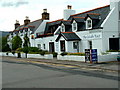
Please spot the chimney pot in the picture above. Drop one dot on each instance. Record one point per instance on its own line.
(45, 10)
(69, 7)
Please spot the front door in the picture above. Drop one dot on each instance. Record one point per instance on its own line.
(51, 47)
(62, 46)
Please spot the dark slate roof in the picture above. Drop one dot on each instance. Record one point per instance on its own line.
(68, 36)
(32, 26)
(78, 19)
(98, 13)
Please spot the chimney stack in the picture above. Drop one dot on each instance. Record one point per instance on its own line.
(67, 12)
(45, 15)
(17, 24)
(26, 21)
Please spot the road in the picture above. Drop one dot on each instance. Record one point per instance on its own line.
(28, 75)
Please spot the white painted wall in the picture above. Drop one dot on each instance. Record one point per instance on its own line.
(110, 25)
(95, 36)
(67, 13)
(45, 40)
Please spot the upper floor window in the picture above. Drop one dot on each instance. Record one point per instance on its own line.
(89, 23)
(62, 28)
(74, 26)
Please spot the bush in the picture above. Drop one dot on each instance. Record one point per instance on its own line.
(33, 49)
(13, 52)
(19, 50)
(42, 53)
(64, 53)
(55, 54)
(113, 51)
(79, 54)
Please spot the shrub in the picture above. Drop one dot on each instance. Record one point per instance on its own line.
(33, 49)
(13, 52)
(113, 51)
(55, 54)
(42, 53)
(79, 54)
(64, 53)
(19, 50)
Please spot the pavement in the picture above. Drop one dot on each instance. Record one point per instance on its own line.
(103, 67)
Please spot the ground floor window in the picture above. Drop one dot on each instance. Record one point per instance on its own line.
(75, 45)
(39, 46)
(62, 45)
(44, 46)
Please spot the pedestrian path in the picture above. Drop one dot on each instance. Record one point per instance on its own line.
(107, 66)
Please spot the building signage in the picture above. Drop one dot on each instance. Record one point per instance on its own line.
(91, 55)
(94, 55)
(93, 36)
(87, 55)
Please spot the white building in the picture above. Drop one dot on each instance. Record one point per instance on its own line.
(98, 28)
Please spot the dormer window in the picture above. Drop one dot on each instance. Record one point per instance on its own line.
(74, 26)
(62, 28)
(89, 23)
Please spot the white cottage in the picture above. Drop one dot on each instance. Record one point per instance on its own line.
(98, 28)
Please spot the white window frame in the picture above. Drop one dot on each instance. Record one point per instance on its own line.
(39, 46)
(74, 26)
(87, 23)
(62, 27)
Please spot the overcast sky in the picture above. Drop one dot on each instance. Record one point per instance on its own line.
(12, 10)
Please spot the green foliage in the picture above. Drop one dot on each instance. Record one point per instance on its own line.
(33, 49)
(16, 42)
(18, 50)
(25, 49)
(13, 52)
(55, 54)
(26, 41)
(113, 51)
(42, 53)
(78, 54)
(5, 47)
(64, 53)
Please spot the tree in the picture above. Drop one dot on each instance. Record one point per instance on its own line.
(26, 44)
(16, 42)
(26, 41)
(5, 47)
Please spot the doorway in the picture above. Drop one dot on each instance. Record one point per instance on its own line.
(51, 47)
(113, 43)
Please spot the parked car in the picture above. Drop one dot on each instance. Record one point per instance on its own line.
(118, 57)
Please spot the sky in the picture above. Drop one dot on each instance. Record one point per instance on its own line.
(12, 10)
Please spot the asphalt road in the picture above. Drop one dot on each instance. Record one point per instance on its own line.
(28, 75)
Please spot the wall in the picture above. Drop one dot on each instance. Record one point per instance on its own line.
(110, 25)
(46, 56)
(101, 58)
(95, 36)
(45, 40)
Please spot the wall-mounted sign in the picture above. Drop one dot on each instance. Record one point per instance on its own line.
(93, 36)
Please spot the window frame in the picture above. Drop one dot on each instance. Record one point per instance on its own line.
(74, 26)
(75, 46)
(89, 22)
(62, 27)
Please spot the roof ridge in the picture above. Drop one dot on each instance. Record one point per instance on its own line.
(55, 21)
(90, 10)
(67, 32)
(79, 17)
